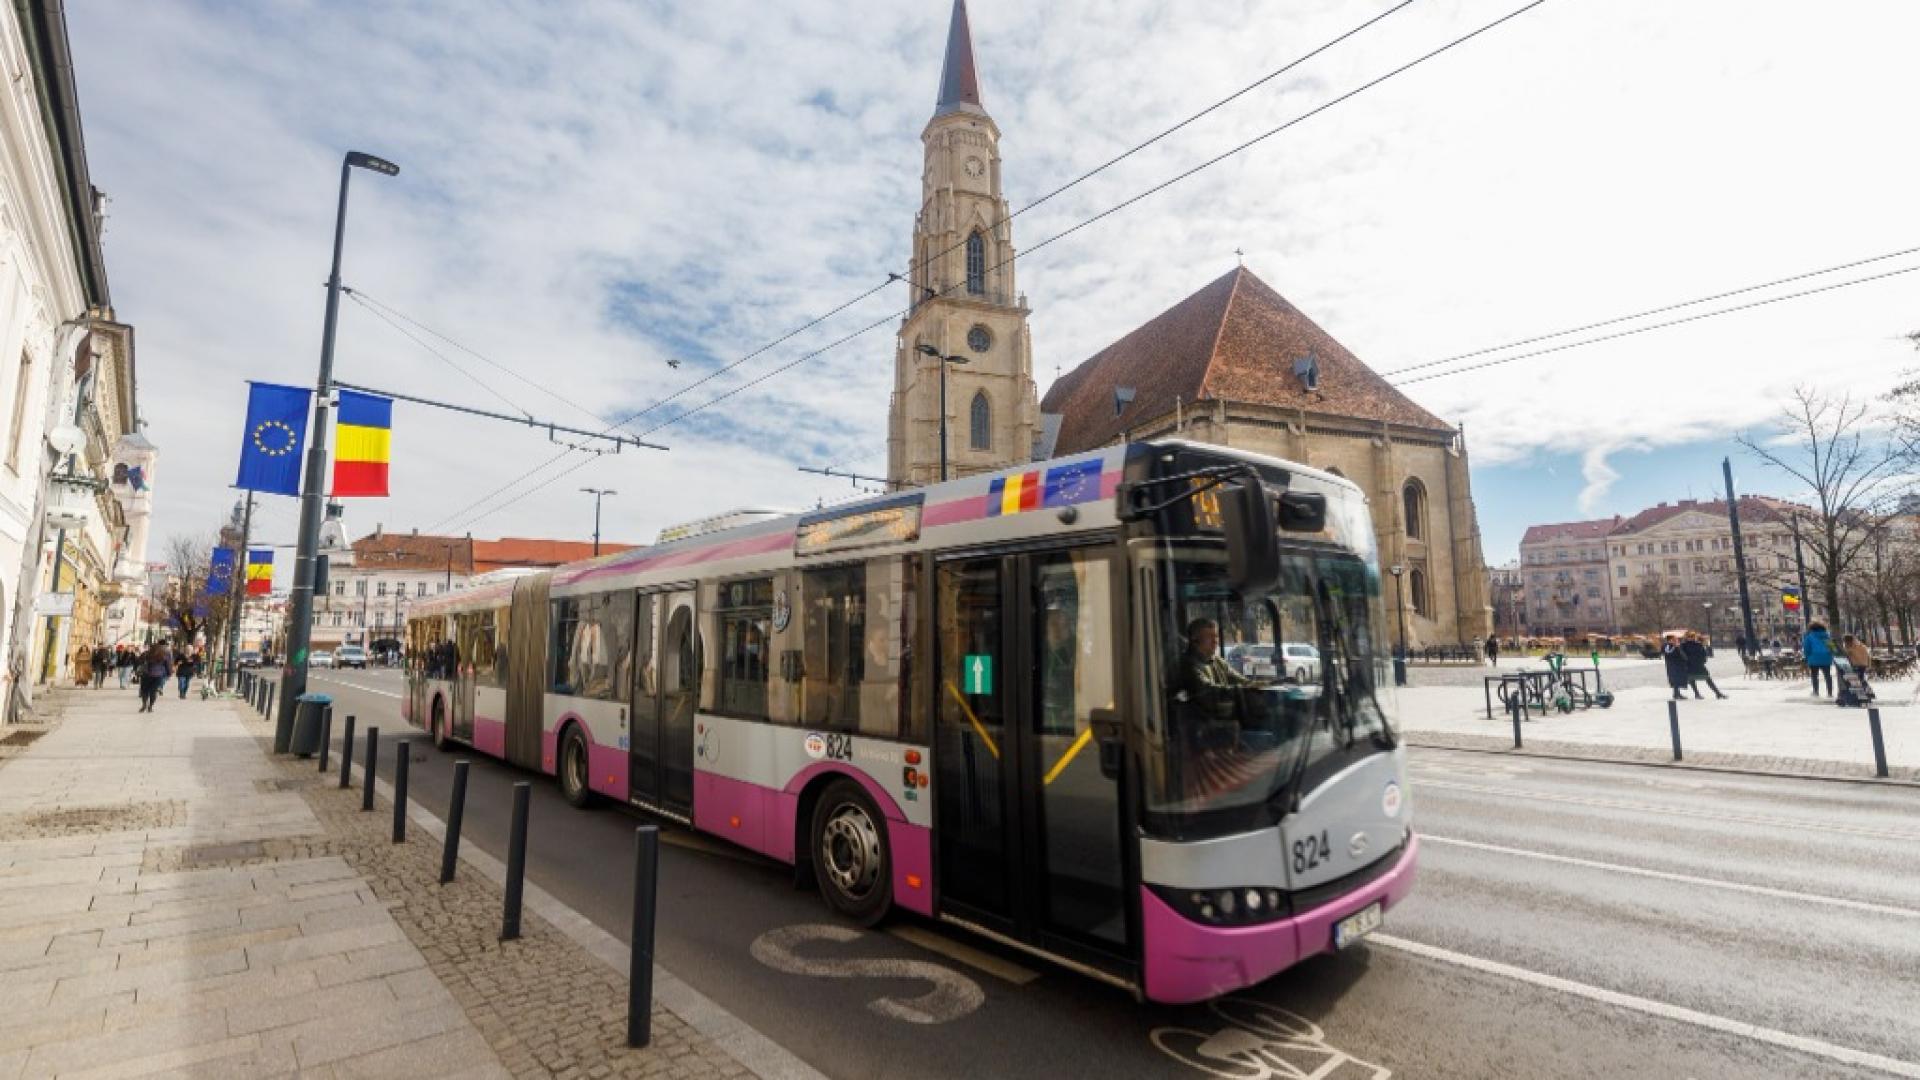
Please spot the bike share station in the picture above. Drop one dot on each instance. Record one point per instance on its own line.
(1557, 689)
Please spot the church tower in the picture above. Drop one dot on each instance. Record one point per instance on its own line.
(964, 302)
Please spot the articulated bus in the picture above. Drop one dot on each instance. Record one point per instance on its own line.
(1018, 702)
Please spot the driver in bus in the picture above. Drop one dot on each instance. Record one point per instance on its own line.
(1209, 690)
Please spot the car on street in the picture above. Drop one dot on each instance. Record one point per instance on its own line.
(1302, 661)
(1252, 661)
(249, 658)
(320, 658)
(350, 656)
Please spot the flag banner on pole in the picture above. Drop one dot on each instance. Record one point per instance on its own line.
(220, 572)
(360, 445)
(276, 429)
(260, 572)
(1790, 599)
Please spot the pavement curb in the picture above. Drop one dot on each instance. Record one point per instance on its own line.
(1547, 752)
(743, 1042)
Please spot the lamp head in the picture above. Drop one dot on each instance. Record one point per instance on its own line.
(927, 349)
(373, 164)
(1396, 569)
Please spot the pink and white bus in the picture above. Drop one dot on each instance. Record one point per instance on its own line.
(1034, 703)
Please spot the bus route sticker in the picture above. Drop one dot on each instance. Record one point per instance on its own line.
(952, 997)
(1262, 1042)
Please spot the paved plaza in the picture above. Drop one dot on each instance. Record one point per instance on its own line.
(1764, 725)
(174, 901)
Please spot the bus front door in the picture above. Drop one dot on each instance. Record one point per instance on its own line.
(1028, 820)
(665, 693)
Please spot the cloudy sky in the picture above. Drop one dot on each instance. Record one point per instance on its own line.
(589, 191)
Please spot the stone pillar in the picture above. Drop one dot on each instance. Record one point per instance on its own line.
(1473, 618)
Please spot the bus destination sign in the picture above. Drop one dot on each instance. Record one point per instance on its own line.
(894, 521)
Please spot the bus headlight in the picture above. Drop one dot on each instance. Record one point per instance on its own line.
(1242, 905)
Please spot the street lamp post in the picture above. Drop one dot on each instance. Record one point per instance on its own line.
(1708, 605)
(1400, 603)
(944, 361)
(300, 625)
(597, 494)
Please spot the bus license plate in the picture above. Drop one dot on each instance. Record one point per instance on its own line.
(1356, 926)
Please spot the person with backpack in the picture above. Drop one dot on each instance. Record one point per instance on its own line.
(155, 665)
(1817, 650)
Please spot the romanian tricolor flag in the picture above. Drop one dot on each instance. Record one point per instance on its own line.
(1790, 600)
(259, 571)
(360, 439)
(1062, 485)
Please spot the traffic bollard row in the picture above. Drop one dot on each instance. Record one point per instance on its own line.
(273, 691)
(403, 748)
(1673, 724)
(346, 754)
(646, 880)
(326, 736)
(373, 751)
(450, 850)
(516, 862)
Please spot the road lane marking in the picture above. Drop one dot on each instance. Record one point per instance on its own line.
(1262, 1042)
(952, 997)
(1670, 811)
(1660, 1009)
(1005, 970)
(1685, 879)
(356, 686)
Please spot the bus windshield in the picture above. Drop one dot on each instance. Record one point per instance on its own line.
(1262, 696)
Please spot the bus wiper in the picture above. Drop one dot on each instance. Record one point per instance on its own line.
(1210, 477)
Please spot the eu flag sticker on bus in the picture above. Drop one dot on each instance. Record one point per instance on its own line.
(979, 673)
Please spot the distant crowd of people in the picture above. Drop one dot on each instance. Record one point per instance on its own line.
(148, 669)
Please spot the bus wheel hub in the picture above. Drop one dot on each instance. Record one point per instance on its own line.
(852, 851)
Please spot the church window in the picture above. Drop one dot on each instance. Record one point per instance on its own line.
(1414, 499)
(976, 264)
(982, 422)
(1417, 588)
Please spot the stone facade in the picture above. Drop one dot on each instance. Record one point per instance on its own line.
(965, 304)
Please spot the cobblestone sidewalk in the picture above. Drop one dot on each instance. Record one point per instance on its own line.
(176, 902)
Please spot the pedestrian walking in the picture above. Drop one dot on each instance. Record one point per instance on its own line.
(1493, 651)
(102, 660)
(1816, 648)
(1696, 653)
(127, 663)
(1676, 662)
(188, 667)
(1856, 653)
(155, 666)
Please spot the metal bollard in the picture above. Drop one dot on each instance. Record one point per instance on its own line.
(403, 748)
(273, 691)
(646, 880)
(1879, 743)
(1514, 706)
(450, 850)
(346, 754)
(516, 862)
(326, 736)
(1673, 723)
(373, 759)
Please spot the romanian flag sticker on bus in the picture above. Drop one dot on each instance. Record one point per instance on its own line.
(1062, 485)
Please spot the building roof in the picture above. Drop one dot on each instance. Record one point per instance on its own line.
(521, 553)
(959, 81)
(1569, 530)
(1236, 340)
(1752, 508)
(413, 551)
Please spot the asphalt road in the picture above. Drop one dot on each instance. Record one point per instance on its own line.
(1571, 920)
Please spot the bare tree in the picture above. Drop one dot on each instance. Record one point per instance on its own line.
(1849, 468)
(187, 605)
(1653, 607)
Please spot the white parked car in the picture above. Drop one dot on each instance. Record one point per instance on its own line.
(1302, 661)
(1252, 661)
(320, 658)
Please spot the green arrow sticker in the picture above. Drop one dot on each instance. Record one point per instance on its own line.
(979, 673)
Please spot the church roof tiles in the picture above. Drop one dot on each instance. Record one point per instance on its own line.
(1236, 339)
(959, 81)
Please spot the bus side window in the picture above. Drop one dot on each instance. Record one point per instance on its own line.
(565, 618)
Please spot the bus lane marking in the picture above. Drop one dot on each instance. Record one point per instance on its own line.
(356, 686)
(1684, 879)
(1004, 970)
(952, 997)
(1662, 1010)
(1669, 811)
(1262, 1042)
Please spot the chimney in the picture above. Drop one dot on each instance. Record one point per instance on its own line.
(376, 530)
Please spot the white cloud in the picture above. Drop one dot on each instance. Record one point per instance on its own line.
(590, 190)
(1599, 477)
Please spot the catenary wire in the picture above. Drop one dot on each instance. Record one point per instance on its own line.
(1650, 312)
(442, 357)
(1055, 238)
(1655, 326)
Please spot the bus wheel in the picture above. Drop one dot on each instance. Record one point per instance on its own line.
(437, 728)
(850, 858)
(573, 767)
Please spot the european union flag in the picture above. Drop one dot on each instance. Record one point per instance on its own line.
(220, 572)
(276, 430)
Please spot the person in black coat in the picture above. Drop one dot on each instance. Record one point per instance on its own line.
(1695, 652)
(1676, 661)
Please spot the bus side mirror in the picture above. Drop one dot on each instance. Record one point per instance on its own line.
(1303, 511)
(1253, 553)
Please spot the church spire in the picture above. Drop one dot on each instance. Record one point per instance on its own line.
(959, 82)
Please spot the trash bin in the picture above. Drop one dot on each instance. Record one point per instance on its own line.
(306, 723)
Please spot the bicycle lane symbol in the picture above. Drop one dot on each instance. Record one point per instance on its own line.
(1262, 1042)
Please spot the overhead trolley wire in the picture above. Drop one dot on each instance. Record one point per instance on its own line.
(1063, 234)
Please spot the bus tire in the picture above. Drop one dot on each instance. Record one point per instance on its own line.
(851, 861)
(437, 727)
(571, 768)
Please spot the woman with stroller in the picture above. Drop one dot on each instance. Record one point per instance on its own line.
(1857, 655)
(1817, 648)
